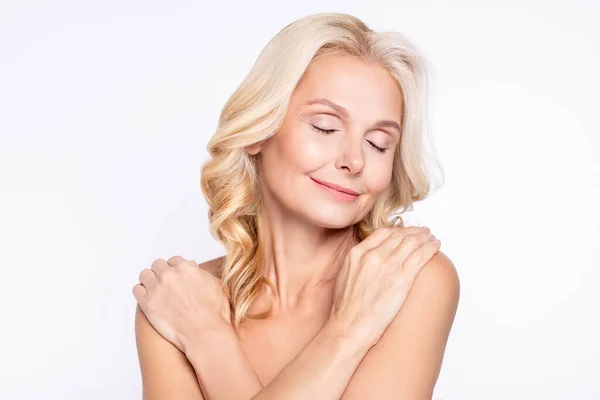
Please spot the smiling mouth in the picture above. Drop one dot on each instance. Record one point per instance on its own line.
(336, 187)
(343, 194)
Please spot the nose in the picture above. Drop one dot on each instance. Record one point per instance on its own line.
(351, 158)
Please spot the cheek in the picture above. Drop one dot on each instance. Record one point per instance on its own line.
(290, 154)
(302, 150)
(380, 178)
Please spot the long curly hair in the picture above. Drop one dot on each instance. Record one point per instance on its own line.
(255, 112)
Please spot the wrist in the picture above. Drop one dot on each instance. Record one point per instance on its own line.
(349, 341)
(217, 357)
(203, 335)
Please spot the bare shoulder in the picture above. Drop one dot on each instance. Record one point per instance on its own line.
(166, 371)
(407, 360)
(213, 266)
(433, 298)
(441, 274)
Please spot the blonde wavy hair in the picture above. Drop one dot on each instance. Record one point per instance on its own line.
(255, 112)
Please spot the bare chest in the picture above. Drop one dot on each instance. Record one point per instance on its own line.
(271, 345)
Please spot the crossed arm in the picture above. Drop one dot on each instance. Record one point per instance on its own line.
(404, 364)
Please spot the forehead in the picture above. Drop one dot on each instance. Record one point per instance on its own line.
(359, 86)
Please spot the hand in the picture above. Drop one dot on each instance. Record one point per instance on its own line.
(376, 277)
(180, 299)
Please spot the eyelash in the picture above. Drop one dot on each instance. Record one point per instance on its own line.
(330, 131)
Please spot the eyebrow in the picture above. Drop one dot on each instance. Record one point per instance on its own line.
(345, 113)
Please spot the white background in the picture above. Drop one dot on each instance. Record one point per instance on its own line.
(105, 111)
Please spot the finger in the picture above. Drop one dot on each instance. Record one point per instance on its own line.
(176, 260)
(381, 234)
(148, 278)
(140, 293)
(357, 253)
(413, 230)
(408, 245)
(159, 266)
(373, 240)
(416, 260)
(382, 252)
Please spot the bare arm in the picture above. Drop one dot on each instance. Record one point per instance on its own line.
(216, 363)
(404, 364)
(166, 373)
(326, 365)
(321, 370)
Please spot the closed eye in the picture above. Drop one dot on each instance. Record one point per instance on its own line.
(325, 131)
(379, 149)
(330, 131)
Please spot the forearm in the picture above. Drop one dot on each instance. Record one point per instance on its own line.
(222, 368)
(321, 370)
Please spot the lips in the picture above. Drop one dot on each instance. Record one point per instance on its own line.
(336, 187)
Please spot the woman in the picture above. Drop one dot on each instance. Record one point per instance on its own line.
(314, 152)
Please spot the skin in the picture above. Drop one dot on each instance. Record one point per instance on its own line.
(297, 210)
(305, 230)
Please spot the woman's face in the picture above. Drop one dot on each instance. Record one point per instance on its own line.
(358, 106)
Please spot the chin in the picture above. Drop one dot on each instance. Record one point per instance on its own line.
(331, 217)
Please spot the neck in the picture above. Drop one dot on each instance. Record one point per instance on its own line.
(301, 259)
